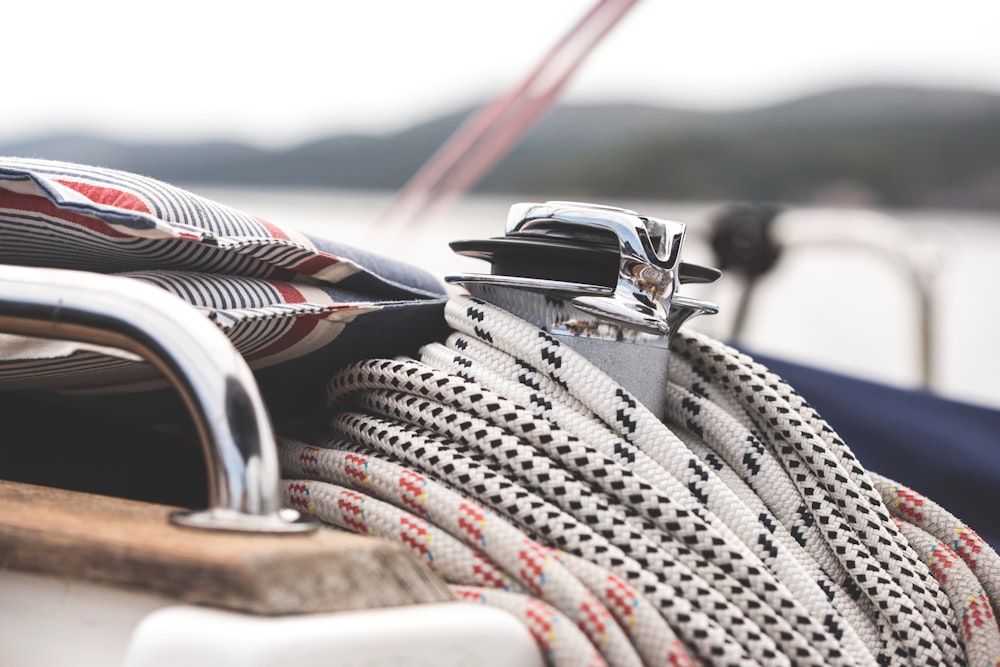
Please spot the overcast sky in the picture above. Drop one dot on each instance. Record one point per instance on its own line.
(287, 70)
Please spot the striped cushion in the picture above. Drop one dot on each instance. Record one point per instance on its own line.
(279, 295)
(76, 217)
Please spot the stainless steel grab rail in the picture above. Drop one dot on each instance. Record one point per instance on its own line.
(212, 378)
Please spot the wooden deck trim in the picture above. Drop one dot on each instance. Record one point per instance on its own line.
(131, 544)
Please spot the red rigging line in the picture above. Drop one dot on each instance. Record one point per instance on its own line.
(490, 133)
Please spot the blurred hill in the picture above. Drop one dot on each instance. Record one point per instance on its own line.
(884, 146)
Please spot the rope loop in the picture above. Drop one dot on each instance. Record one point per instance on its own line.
(740, 531)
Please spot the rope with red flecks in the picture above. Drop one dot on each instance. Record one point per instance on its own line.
(742, 532)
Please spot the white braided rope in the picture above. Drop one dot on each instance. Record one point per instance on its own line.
(466, 520)
(744, 464)
(981, 635)
(714, 414)
(587, 428)
(609, 514)
(462, 565)
(747, 533)
(350, 510)
(653, 637)
(561, 642)
(876, 555)
(688, 481)
(486, 480)
(546, 522)
(859, 628)
(907, 504)
(437, 382)
(743, 451)
(473, 576)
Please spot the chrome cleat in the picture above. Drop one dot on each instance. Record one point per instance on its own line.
(603, 280)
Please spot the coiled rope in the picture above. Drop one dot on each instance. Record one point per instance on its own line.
(742, 531)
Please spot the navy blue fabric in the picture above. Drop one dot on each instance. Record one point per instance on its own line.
(947, 450)
(384, 276)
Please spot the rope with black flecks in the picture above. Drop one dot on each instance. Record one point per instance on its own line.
(742, 532)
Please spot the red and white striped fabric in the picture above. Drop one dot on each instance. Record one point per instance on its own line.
(278, 294)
